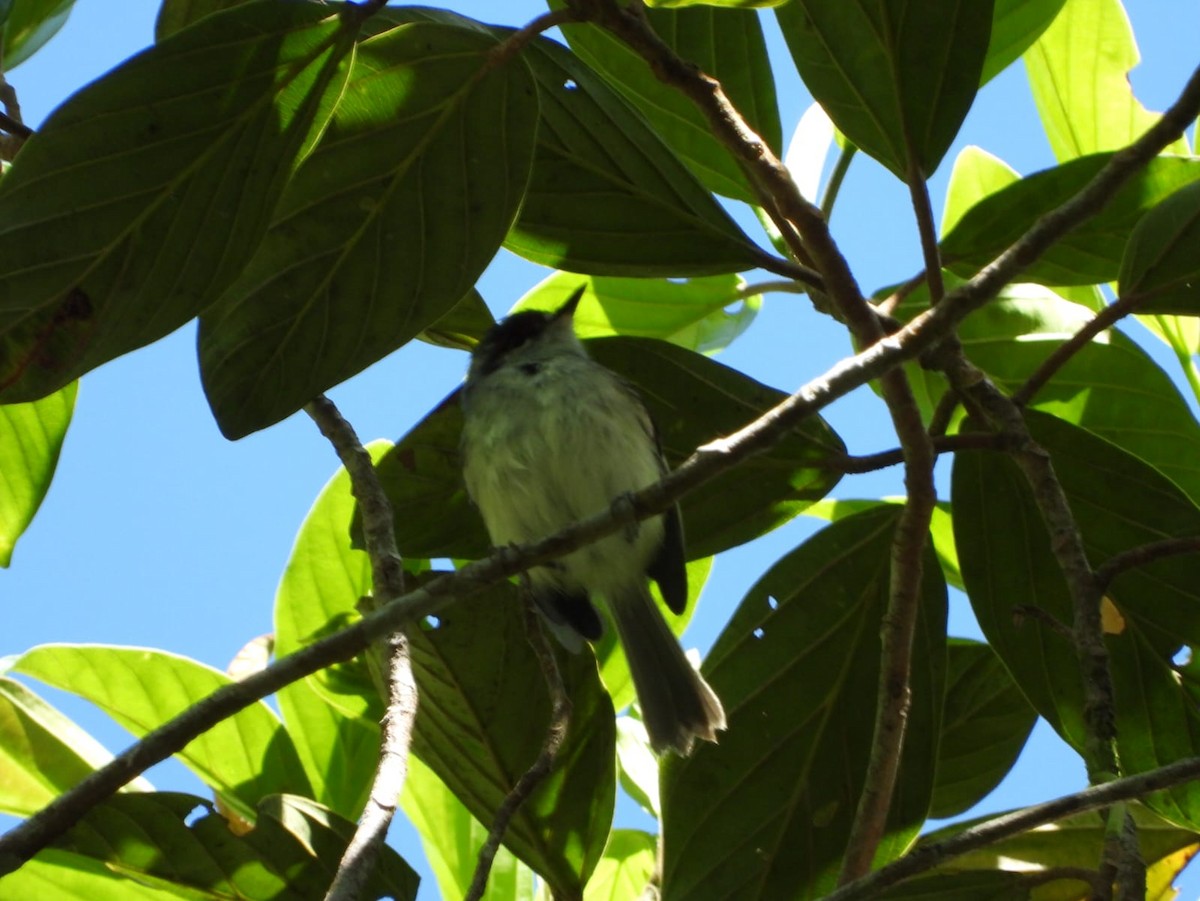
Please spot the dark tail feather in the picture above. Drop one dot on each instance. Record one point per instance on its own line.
(678, 706)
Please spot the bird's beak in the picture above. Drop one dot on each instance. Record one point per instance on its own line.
(567, 310)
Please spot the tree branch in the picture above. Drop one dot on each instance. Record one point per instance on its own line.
(926, 857)
(942, 444)
(387, 576)
(1143, 554)
(556, 734)
(358, 862)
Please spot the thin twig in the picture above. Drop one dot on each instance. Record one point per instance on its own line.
(836, 177)
(939, 422)
(26, 839)
(387, 574)
(942, 444)
(1104, 319)
(918, 191)
(556, 734)
(1143, 554)
(925, 857)
(361, 854)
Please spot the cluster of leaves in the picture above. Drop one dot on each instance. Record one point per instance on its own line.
(320, 187)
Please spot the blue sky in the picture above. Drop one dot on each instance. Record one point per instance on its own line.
(159, 532)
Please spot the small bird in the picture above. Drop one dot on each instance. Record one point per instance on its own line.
(551, 437)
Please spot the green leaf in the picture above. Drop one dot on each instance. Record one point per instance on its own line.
(452, 838)
(143, 195)
(243, 758)
(692, 398)
(385, 227)
(638, 764)
(31, 435)
(606, 196)
(478, 678)
(797, 669)
(42, 752)
(1119, 503)
(1016, 24)
(1160, 259)
(985, 724)
(463, 326)
(724, 43)
(153, 843)
(332, 715)
(976, 175)
(56, 875)
(29, 24)
(1074, 841)
(1089, 253)
(896, 77)
(967, 886)
(625, 869)
(1079, 74)
(1111, 387)
(176, 15)
(701, 314)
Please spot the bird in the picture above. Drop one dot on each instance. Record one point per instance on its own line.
(551, 437)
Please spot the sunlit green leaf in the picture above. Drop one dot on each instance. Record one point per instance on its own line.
(976, 175)
(625, 869)
(42, 752)
(701, 314)
(244, 758)
(31, 436)
(1079, 73)
(797, 671)
(638, 763)
(1089, 253)
(452, 838)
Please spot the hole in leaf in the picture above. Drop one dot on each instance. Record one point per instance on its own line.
(1183, 656)
(758, 633)
(431, 623)
(570, 85)
(195, 815)
(772, 602)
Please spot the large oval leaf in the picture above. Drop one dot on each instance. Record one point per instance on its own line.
(797, 669)
(1089, 253)
(483, 718)
(244, 758)
(31, 436)
(1119, 503)
(1016, 24)
(693, 400)
(145, 193)
(29, 25)
(896, 76)
(726, 44)
(384, 228)
(607, 197)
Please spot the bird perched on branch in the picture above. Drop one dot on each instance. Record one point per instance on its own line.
(551, 437)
